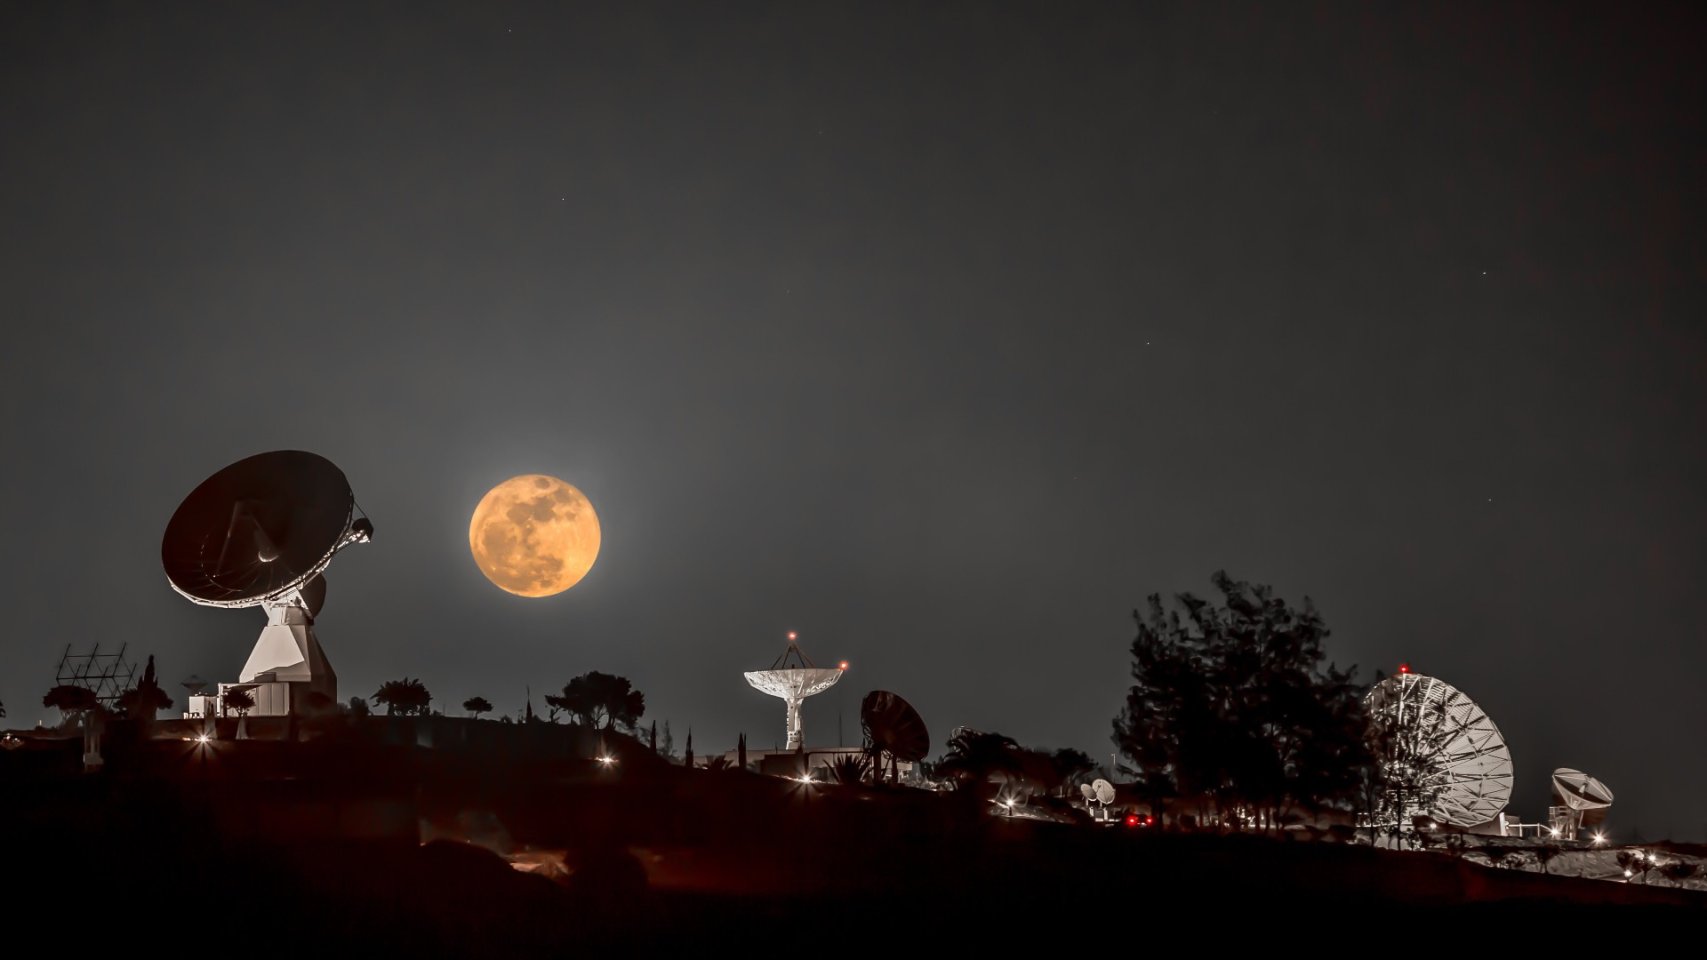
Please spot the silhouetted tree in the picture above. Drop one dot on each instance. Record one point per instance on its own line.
(974, 757)
(1639, 862)
(1232, 705)
(717, 764)
(1497, 855)
(477, 706)
(654, 736)
(1545, 854)
(358, 707)
(2, 711)
(741, 751)
(1070, 766)
(71, 700)
(238, 699)
(687, 754)
(1678, 871)
(404, 696)
(140, 703)
(668, 748)
(146, 699)
(601, 701)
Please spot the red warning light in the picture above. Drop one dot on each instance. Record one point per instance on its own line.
(791, 636)
(1132, 819)
(844, 665)
(1404, 668)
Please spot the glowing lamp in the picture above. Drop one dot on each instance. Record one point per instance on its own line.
(1132, 819)
(1404, 668)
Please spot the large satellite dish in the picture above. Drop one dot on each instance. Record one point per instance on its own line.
(892, 726)
(792, 678)
(1462, 754)
(258, 534)
(260, 529)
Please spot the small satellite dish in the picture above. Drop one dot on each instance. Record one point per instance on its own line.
(1086, 791)
(893, 726)
(1104, 791)
(260, 529)
(194, 684)
(313, 594)
(1579, 791)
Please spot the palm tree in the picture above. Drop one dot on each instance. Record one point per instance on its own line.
(974, 757)
(477, 706)
(404, 696)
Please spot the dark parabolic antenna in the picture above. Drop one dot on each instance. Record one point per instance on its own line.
(260, 529)
(892, 726)
(258, 534)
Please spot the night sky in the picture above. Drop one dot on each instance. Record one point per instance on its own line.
(941, 334)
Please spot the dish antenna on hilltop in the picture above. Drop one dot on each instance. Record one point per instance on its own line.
(793, 677)
(892, 727)
(258, 534)
(1581, 801)
(1446, 744)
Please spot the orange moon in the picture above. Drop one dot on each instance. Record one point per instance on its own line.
(534, 535)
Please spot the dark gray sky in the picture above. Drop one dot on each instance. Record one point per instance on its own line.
(942, 335)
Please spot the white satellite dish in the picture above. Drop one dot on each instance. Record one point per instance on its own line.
(1104, 791)
(793, 678)
(1579, 791)
(1449, 732)
(1087, 792)
(1581, 802)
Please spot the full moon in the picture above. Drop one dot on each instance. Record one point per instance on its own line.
(534, 535)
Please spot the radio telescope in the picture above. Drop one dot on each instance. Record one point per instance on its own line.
(1441, 755)
(892, 727)
(1579, 801)
(258, 534)
(793, 678)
